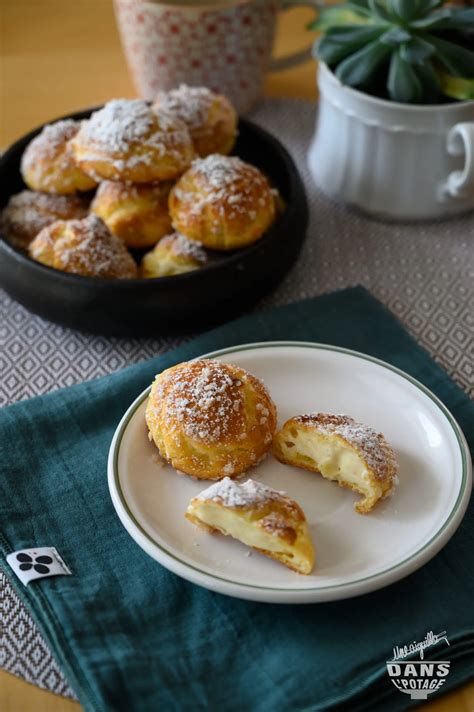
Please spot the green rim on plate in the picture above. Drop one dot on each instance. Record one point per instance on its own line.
(321, 347)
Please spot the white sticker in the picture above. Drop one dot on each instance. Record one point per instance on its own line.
(32, 564)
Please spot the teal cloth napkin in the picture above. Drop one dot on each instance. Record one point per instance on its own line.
(131, 636)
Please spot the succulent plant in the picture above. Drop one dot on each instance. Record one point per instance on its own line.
(410, 51)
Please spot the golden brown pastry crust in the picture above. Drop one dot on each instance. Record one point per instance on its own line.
(210, 419)
(380, 471)
(48, 163)
(258, 515)
(28, 212)
(222, 202)
(83, 247)
(127, 141)
(211, 119)
(173, 255)
(137, 214)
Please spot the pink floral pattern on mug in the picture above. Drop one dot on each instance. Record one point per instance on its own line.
(226, 48)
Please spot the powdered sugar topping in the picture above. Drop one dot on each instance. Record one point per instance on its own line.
(205, 401)
(28, 212)
(181, 246)
(120, 123)
(375, 450)
(86, 247)
(232, 494)
(220, 171)
(124, 126)
(190, 104)
(52, 139)
(227, 183)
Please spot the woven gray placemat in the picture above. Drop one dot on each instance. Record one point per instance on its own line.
(424, 273)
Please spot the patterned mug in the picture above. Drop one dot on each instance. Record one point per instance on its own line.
(225, 45)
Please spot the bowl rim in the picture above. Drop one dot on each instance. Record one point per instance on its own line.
(231, 258)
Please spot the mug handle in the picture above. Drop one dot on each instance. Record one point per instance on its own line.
(276, 65)
(460, 141)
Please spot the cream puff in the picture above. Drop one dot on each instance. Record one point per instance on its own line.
(343, 450)
(222, 202)
(137, 214)
(28, 212)
(127, 141)
(173, 255)
(259, 516)
(210, 419)
(211, 119)
(83, 247)
(48, 164)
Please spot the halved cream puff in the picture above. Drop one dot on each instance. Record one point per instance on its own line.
(259, 516)
(340, 449)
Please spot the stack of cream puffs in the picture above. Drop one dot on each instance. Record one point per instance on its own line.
(163, 180)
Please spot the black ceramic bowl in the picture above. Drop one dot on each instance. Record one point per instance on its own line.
(212, 294)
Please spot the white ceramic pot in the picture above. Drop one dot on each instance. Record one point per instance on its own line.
(396, 161)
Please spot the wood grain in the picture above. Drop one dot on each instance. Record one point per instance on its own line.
(58, 56)
(18, 696)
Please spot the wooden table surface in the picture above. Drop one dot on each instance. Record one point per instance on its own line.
(59, 56)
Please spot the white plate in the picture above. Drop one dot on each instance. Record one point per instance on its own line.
(354, 553)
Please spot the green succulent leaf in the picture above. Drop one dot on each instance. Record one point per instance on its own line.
(416, 50)
(456, 87)
(336, 15)
(395, 36)
(424, 47)
(403, 84)
(355, 35)
(425, 6)
(406, 10)
(340, 42)
(330, 52)
(446, 19)
(429, 81)
(379, 9)
(360, 66)
(361, 6)
(457, 60)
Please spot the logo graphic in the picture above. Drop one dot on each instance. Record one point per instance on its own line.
(38, 563)
(418, 678)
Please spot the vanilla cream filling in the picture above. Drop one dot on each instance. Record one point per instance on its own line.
(334, 460)
(238, 526)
